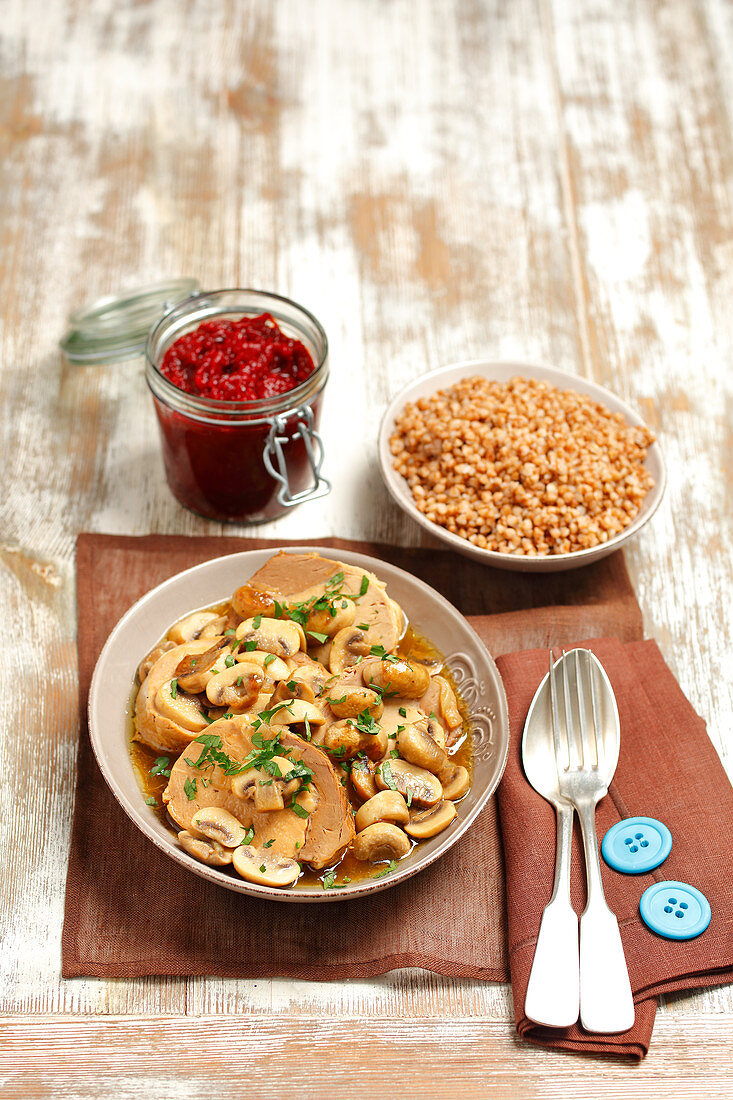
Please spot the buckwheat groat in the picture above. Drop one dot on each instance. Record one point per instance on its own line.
(522, 467)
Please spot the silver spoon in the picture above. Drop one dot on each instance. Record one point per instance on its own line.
(553, 992)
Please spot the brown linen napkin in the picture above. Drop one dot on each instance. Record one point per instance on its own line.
(669, 770)
(131, 912)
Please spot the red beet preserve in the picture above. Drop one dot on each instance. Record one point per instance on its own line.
(237, 378)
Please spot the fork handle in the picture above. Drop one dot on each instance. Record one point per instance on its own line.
(606, 1001)
(553, 991)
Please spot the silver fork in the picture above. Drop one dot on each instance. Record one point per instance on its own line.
(586, 733)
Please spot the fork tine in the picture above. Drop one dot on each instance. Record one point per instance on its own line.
(594, 709)
(588, 736)
(562, 749)
(574, 752)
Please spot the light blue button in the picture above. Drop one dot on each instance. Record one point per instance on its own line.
(636, 844)
(675, 910)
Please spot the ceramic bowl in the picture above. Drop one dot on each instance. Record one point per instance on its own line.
(110, 702)
(503, 372)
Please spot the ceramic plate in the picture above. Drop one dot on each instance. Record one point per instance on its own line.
(213, 582)
(502, 372)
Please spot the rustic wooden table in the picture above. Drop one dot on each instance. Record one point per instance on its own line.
(437, 180)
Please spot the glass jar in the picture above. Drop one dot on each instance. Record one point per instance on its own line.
(240, 461)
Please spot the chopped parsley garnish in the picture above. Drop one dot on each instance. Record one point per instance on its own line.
(269, 843)
(320, 638)
(250, 645)
(174, 688)
(248, 836)
(395, 754)
(160, 767)
(364, 585)
(380, 651)
(403, 712)
(263, 868)
(229, 632)
(366, 724)
(230, 661)
(409, 799)
(362, 626)
(151, 801)
(329, 881)
(387, 870)
(298, 809)
(335, 702)
(189, 789)
(257, 622)
(291, 686)
(386, 773)
(269, 659)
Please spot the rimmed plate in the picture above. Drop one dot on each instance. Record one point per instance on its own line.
(214, 581)
(503, 371)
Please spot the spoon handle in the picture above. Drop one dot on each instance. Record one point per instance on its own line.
(552, 996)
(606, 1001)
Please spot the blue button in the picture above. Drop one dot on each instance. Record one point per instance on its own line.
(636, 844)
(675, 910)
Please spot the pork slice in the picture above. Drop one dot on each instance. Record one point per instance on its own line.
(151, 727)
(318, 839)
(302, 577)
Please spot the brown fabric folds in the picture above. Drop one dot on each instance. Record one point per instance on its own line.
(669, 770)
(131, 912)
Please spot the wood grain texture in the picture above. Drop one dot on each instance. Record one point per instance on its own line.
(437, 180)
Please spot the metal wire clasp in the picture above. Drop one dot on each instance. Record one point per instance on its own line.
(276, 465)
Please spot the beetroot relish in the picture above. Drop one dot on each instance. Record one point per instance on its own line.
(246, 360)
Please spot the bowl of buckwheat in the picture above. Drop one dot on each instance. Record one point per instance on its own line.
(520, 465)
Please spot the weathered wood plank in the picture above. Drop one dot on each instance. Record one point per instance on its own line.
(364, 1058)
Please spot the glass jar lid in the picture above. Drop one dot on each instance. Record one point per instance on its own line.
(116, 327)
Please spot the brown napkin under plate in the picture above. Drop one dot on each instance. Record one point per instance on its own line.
(131, 912)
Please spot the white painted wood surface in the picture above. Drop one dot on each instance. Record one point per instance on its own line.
(437, 180)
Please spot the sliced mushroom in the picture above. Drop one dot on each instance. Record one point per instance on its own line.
(449, 704)
(345, 741)
(418, 786)
(416, 746)
(218, 824)
(275, 667)
(385, 806)
(456, 782)
(430, 822)
(349, 700)
(208, 851)
(267, 786)
(265, 867)
(381, 841)
(396, 676)
(279, 636)
(236, 688)
(296, 712)
(188, 629)
(348, 647)
(362, 778)
(185, 710)
(294, 689)
(304, 670)
(196, 669)
(254, 599)
(150, 658)
(336, 615)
